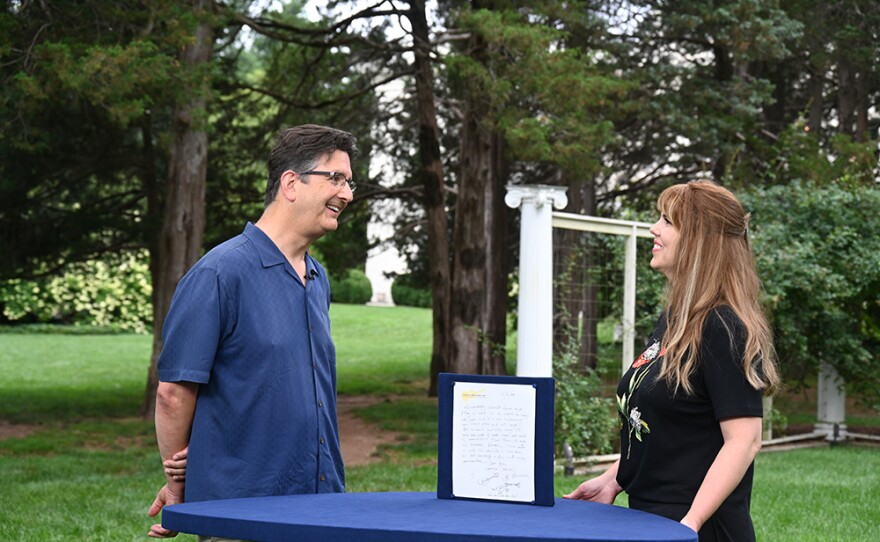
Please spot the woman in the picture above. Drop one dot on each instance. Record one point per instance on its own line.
(690, 404)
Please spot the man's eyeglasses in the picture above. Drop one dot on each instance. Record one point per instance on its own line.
(336, 179)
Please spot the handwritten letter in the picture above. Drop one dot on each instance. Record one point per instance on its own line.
(493, 441)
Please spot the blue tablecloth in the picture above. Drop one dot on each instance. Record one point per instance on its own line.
(422, 517)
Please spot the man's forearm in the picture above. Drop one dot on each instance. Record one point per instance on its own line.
(175, 408)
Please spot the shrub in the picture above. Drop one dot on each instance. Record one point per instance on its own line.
(816, 248)
(584, 417)
(409, 296)
(354, 288)
(407, 290)
(111, 293)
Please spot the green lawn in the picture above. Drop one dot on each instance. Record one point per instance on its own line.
(91, 470)
(381, 350)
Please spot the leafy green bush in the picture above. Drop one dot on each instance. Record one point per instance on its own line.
(585, 419)
(354, 288)
(406, 290)
(817, 249)
(111, 293)
(410, 297)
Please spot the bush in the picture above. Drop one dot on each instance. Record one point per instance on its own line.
(584, 417)
(817, 249)
(112, 293)
(354, 288)
(408, 290)
(409, 296)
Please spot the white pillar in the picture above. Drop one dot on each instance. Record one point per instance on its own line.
(534, 342)
(629, 301)
(831, 407)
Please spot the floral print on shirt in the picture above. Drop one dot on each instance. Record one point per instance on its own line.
(632, 416)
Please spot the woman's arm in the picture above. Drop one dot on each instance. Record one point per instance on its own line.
(742, 441)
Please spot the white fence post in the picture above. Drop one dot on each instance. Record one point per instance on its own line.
(534, 341)
(831, 404)
(629, 301)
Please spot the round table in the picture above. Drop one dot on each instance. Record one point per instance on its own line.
(422, 517)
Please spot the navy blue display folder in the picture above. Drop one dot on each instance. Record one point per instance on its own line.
(544, 414)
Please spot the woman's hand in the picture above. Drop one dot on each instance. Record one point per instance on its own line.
(603, 489)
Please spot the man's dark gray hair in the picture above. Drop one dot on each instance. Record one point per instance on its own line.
(300, 148)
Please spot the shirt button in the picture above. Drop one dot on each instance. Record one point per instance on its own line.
(322, 440)
(323, 477)
(320, 403)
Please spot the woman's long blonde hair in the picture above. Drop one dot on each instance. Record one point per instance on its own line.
(714, 266)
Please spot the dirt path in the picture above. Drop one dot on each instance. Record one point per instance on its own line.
(359, 439)
(16, 430)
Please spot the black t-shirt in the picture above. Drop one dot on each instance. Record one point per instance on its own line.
(669, 442)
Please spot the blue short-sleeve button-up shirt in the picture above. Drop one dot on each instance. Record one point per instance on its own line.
(256, 339)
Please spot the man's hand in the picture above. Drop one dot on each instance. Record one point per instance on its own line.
(163, 498)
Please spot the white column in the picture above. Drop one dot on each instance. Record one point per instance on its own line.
(534, 342)
(831, 407)
(629, 301)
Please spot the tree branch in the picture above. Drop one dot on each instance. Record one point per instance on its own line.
(325, 103)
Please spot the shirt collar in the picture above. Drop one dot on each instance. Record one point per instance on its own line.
(269, 252)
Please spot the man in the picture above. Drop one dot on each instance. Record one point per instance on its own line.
(248, 369)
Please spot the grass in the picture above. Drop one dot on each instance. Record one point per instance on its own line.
(91, 470)
(51, 378)
(381, 350)
(821, 494)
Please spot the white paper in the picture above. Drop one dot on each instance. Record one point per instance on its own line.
(493, 441)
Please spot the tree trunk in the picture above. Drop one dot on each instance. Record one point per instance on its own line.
(724, 71)
(774, 113)
(862, 105)
(469, 258)
(479, 278)
(846, 95)
(817, 84)
(183, 223)
(493, 354)
(478, 296)
(817, 69)
(435, 193)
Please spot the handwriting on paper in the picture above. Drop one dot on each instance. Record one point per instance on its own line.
(493, 441)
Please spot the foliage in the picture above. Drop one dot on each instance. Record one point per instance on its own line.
(800, 155)
(406, 290)
(584, 416)
(530, 55)
(111, 293)
(85, 102)
(354, 288)
(264, 86)
(817, 247)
